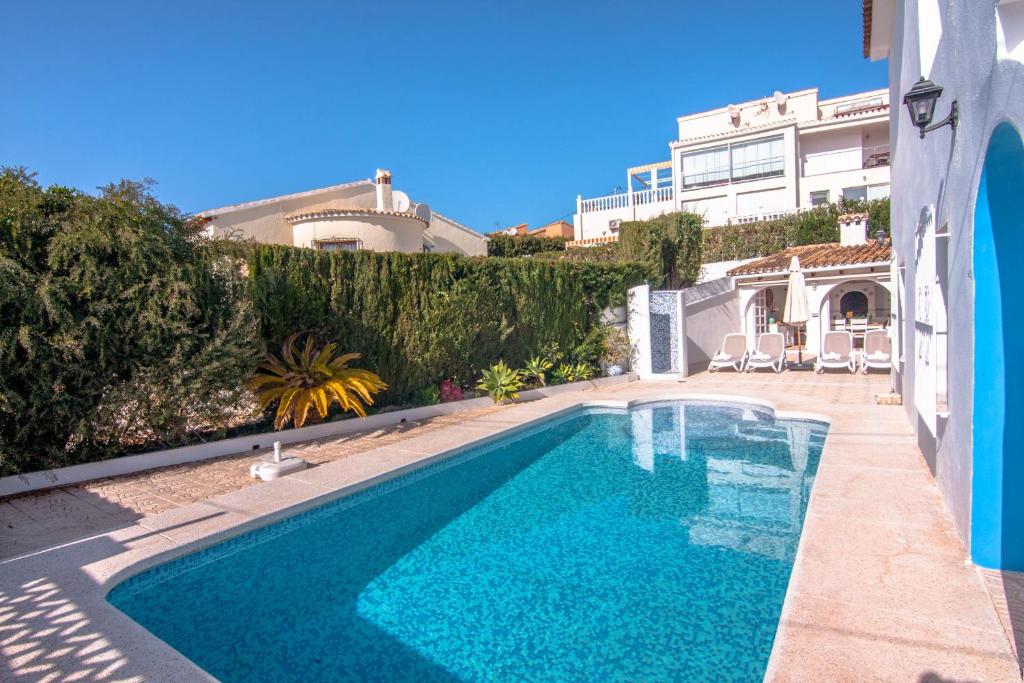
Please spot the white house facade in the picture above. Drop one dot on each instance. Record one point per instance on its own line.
(753, 161)
(958, 233)
(366, 214)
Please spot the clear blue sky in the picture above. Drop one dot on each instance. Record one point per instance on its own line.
(491, 112)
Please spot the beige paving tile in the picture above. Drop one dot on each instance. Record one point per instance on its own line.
(828, 640)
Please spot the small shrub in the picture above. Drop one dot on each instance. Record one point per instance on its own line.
(582, 371)
(449, 391)
(426, 396)
(309, 378)
(501, 382)
(536, 369)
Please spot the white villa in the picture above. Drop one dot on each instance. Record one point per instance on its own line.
(365, 214)
(753, 161)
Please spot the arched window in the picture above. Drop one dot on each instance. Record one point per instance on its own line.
(854, 304)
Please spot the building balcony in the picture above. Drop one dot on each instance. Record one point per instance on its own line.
(854, 159)
(626, 200)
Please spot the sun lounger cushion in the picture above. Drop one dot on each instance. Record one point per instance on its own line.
(757, 355)
(831, 356)
(723, 356)
(878, 355)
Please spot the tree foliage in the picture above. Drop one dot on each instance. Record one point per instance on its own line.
(118, 324)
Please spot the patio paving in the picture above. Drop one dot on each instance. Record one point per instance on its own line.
(881, 589)
(36, 521)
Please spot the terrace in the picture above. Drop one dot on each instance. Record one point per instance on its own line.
(880, 588)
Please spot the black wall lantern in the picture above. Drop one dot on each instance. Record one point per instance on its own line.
(921, 101)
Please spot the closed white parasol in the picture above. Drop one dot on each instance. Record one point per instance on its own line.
(796, 312)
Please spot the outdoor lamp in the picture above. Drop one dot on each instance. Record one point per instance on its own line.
(920, 103)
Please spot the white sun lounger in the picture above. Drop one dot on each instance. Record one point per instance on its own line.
(771, 352)
(732, 354)
(877, 351)
(837, 352)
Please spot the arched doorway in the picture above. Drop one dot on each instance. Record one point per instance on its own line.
(997, 503)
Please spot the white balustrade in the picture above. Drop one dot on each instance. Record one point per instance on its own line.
(621, 201)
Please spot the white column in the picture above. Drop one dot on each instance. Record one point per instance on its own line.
(638, 313)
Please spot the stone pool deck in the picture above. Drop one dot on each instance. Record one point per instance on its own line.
(881, 589)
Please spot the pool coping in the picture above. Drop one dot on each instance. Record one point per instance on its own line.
(163, 537)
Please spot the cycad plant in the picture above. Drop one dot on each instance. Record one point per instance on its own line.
(309, 378)
(536, 369)
(501, 382)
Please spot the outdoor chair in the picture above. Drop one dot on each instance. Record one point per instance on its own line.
(771, 353)
(732, 354)
(877, 351)
(837, 352)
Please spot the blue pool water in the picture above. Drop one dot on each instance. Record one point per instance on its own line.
(653, 544)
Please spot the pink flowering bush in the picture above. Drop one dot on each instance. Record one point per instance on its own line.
(450, 391)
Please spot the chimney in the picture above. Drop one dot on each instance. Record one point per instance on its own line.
(384, 201)
(853, 229)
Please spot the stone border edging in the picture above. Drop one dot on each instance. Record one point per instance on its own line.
(130, 464)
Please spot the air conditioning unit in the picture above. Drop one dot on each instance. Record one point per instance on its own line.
(615, 224)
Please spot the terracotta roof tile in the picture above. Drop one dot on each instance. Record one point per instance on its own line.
(818, 256)
(329, 213)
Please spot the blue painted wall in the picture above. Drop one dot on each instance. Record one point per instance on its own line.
(997, 500)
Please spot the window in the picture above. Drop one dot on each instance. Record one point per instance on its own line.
(855, 194)
(819, 198)
(706, 167)
(739, 161)
(758, 159)
(347, 244)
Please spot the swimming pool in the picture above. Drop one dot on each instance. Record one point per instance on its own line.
(654, 543)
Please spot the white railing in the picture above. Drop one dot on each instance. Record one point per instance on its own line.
(626, 199)
(845, 160)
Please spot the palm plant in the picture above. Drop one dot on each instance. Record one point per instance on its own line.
(501, 382)
(309, 378)
(536, 368)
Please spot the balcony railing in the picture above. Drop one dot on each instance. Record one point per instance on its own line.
(876, 156)
(845, 160)
(626, 200)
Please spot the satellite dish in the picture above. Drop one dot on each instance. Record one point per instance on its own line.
(400, 201)
(423, 211)
(780, 98)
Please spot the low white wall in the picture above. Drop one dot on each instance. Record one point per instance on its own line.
(712, 311)
(76, 474)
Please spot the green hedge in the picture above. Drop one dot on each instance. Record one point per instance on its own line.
(819, 225)
(421, 318)
(125, 330)
(525, 245)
